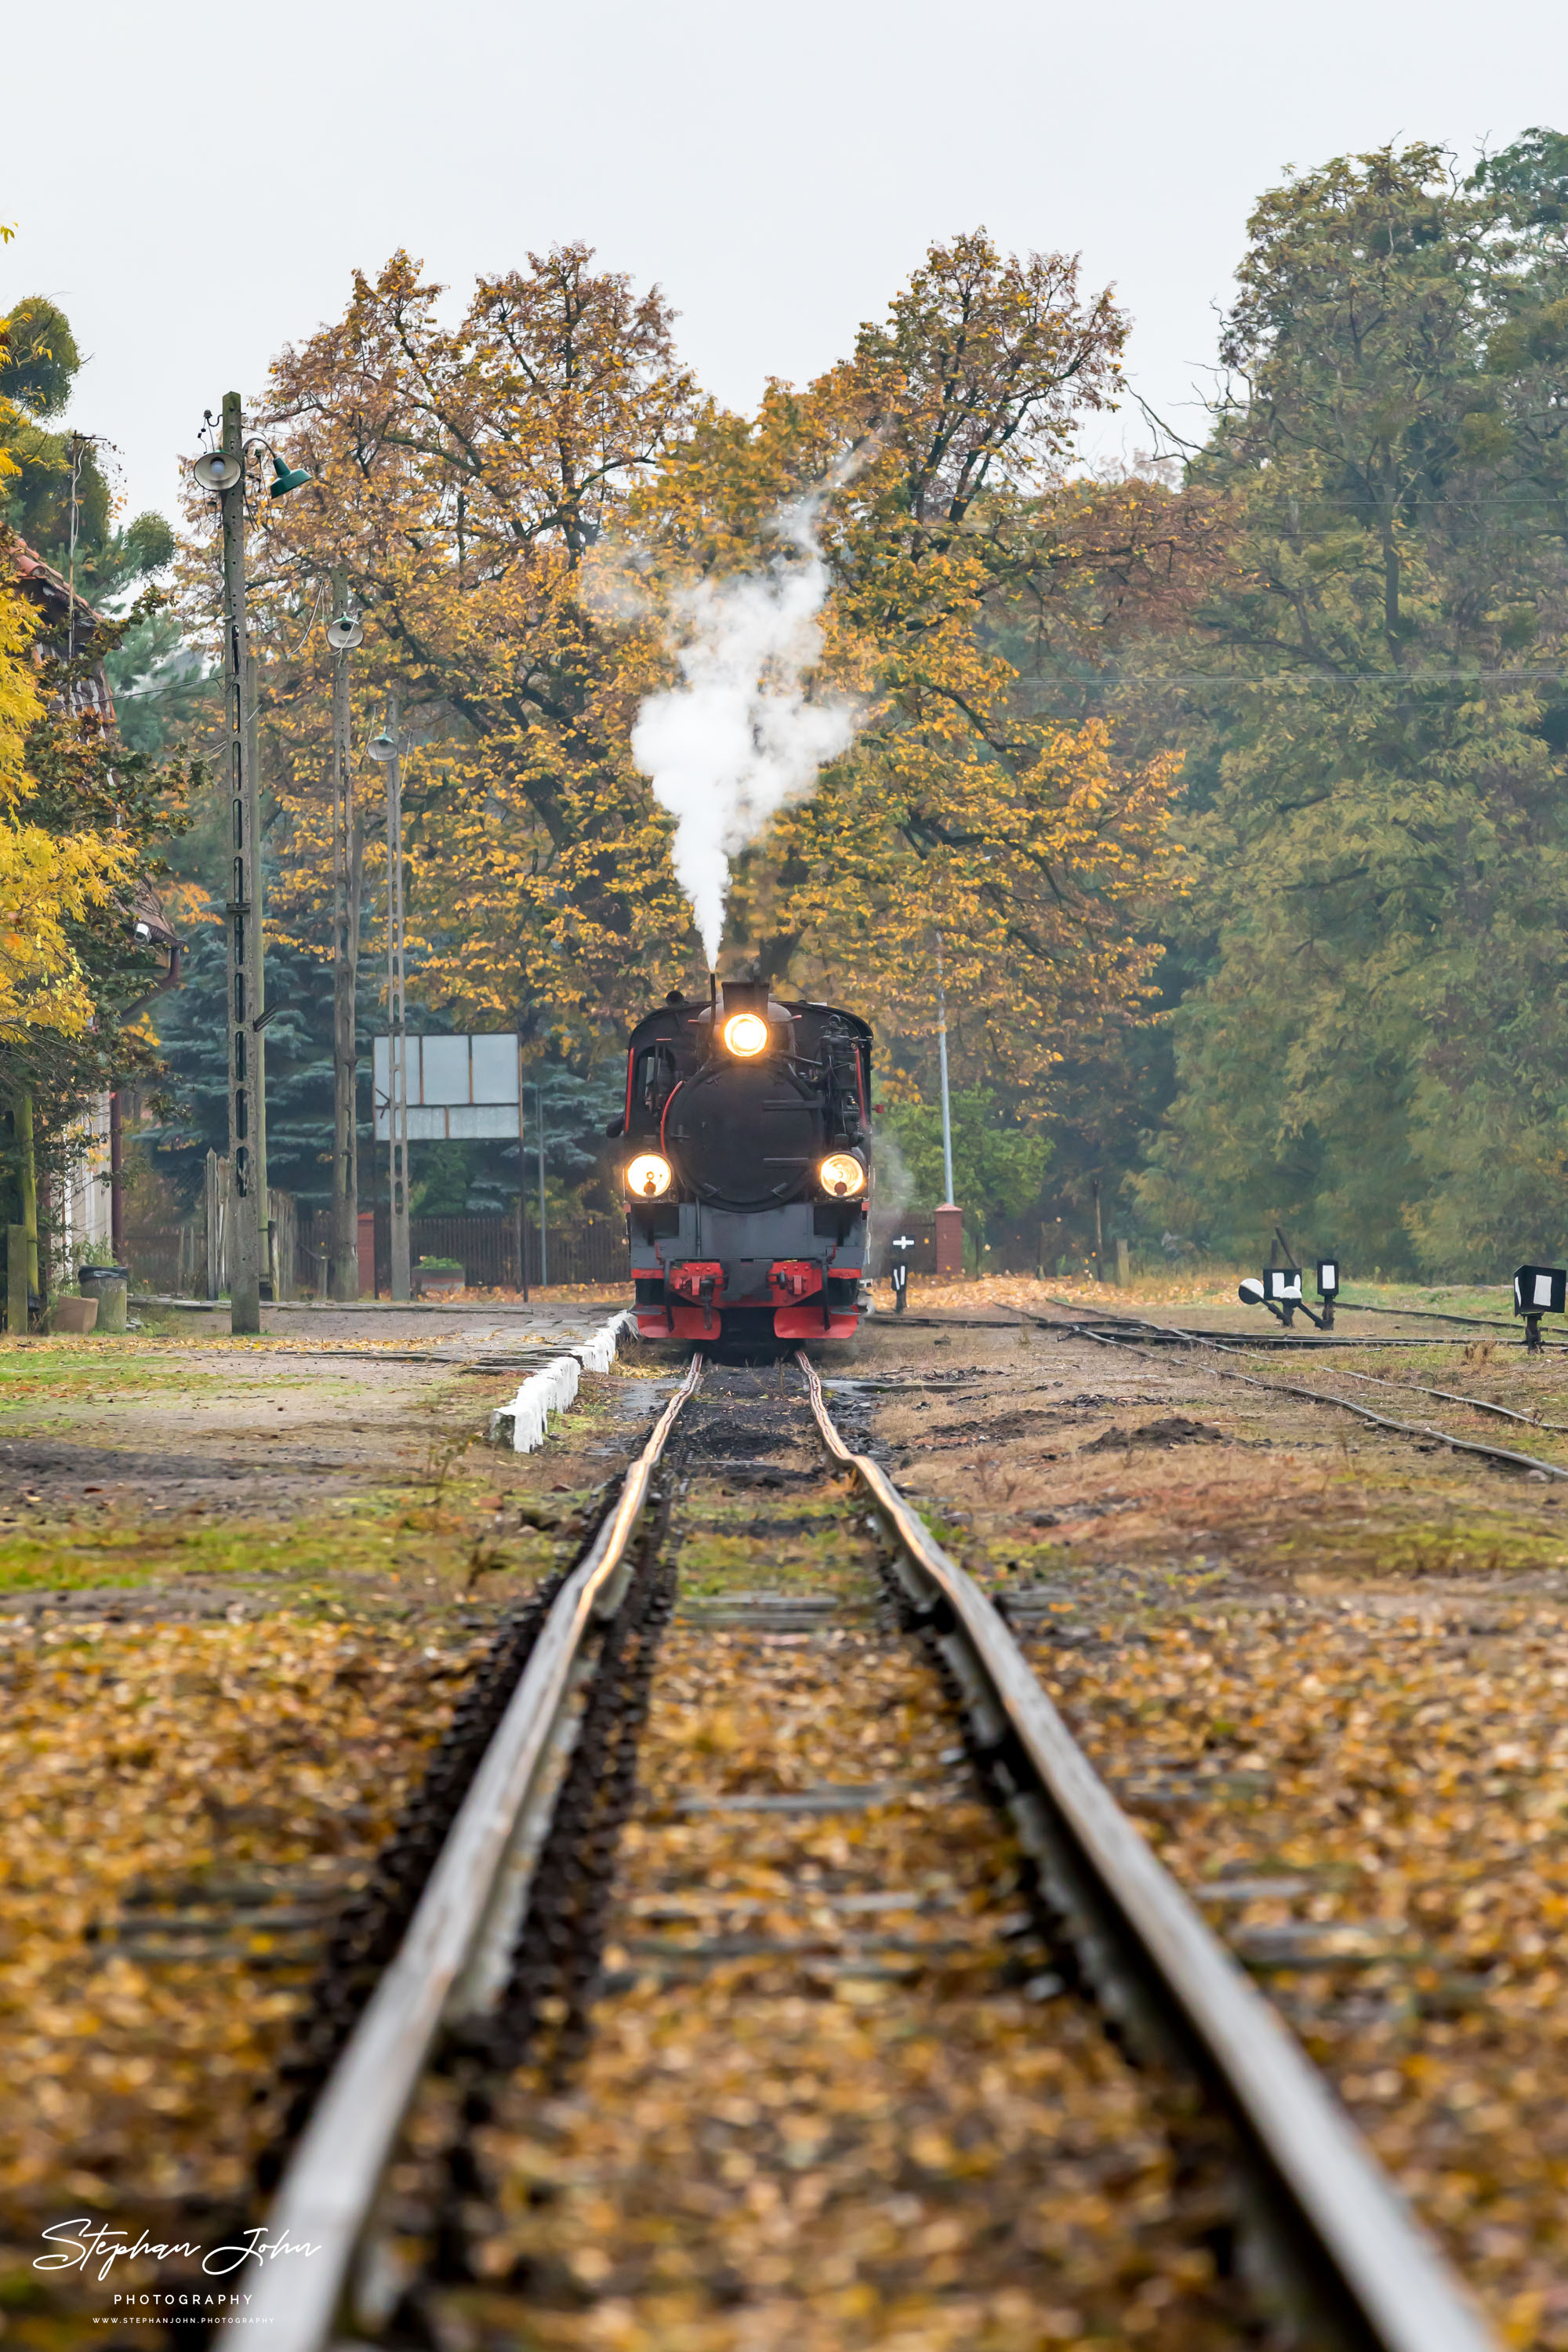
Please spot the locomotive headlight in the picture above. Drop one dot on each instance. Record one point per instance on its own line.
(842, 1175)
(649, 1175)
(746, 1034)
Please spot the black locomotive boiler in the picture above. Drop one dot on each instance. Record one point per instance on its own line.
(747, 1167)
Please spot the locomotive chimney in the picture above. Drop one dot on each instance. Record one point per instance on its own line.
(746, 996)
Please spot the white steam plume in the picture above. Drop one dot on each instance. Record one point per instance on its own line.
(737, 741)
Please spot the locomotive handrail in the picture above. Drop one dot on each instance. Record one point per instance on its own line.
(327, 2193)
(1338, 2228)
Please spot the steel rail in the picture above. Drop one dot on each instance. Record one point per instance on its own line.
(1432, 1314)
(328, 2192)
(1310, 1340)
(1281, 1342)
(1452, 1396)
(1427, 1315)
(1345, 2236)
(1420, 1429)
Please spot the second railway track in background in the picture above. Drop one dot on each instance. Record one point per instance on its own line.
(1134, 1333)
(747, 1936)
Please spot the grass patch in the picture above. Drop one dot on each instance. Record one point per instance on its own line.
(721, 1548)
(86, 1367)
(1375, 1550)
(387, 1538)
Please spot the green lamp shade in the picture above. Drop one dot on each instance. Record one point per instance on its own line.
(284, 480)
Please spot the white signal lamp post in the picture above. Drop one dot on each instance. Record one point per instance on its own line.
(1539, 1290)
(949, 1217)
(1327, 1289)
(1282, 1290)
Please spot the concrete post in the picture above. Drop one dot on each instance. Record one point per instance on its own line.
(243, 911)
(397, 1017)
(16, 1239)
(213, 1202)
(348, 869)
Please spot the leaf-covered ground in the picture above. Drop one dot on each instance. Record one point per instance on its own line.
(1320, 1662)
(181, 1802)
(835, 2098)
(1325, 1663)
(241, 1587)
(1392, 1782)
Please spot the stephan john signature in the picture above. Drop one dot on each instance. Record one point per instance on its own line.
(98, 2244)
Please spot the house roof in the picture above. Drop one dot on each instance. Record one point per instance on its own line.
(44, 588)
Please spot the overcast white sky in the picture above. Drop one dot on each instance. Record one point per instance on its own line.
(194, 185)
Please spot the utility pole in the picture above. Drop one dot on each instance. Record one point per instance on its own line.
(521, 1175)
(344, 634)
(247, 1136)
(543, 1237)
(387, 750)
(947, 1198)
(268, 1274)
(949, 1217)
(22, 1238)
(222, 472)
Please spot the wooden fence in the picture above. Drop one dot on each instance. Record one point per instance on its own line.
(589, 1249)
(173, 1259)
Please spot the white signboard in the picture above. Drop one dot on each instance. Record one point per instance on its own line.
(460, 1088)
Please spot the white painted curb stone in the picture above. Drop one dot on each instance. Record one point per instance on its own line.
(526, 1420)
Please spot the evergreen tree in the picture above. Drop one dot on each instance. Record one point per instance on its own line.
(445, 1179)
(1377, 1052)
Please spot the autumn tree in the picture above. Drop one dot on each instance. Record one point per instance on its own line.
(460, 478)
(937, 455)
(50, 880)
(1375, 1049)
(518, 502)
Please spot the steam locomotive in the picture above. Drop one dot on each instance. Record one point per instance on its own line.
(748, 1167)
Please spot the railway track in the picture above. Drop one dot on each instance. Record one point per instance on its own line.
(1134, 1333)
(683, 1812)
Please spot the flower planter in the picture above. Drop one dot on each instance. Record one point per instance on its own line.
(439, 1282)
(73, 1314)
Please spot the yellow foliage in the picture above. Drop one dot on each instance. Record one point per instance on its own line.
(19, 704)
(519, 500)
(1026, 846)
(47, 880)
(459, 476)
